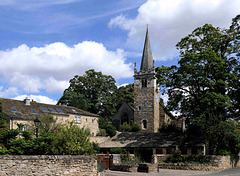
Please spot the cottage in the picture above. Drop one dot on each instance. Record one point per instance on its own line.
(26, 111)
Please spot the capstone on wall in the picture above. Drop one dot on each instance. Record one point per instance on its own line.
(48, 165)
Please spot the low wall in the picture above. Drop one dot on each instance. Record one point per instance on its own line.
(217, 163)
(48, 165)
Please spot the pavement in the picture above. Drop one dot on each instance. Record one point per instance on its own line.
(172, 172)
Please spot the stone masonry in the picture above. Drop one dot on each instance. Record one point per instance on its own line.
(48, 165)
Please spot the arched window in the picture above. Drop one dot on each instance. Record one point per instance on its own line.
(144, 124)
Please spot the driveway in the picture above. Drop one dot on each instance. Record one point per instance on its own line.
(172, 172)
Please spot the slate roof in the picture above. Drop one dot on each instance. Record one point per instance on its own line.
(25, 111)
(143, 139)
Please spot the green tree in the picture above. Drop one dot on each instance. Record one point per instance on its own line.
(71, 140)
(125, 94)
(93, 92)
(3, 123)
(204, 85)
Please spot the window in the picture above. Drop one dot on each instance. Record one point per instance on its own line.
(44, 109)
(14, 109)
(59, 110)
(77, 119)
(144, 124)
(86, 120)
(124, 119)
(74, 110)
(51, 109)
(144, 83)
(34, 111)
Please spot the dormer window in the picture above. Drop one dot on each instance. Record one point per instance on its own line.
(144, 83)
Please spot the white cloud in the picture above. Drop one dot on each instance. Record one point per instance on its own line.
(11, 91)
(171, 20)
(37, 98)
(51, 67)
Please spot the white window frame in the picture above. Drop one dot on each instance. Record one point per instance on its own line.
(77, 119)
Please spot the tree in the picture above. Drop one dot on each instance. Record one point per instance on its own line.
(3, 123)
(204, 85)
(125, 94)
(93, 92)
(71, 140)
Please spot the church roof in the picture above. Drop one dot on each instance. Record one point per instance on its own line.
(143, 139)
(147, 59)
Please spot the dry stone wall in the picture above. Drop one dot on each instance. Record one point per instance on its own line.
(217, 163)
(48, 165)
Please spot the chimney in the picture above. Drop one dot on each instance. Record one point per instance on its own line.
(27, 101)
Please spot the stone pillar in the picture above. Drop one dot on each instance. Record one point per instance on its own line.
(155, 160)
(164, 150)
(189, 151)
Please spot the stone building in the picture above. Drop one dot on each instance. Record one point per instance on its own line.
(148, 111)
(26, 111)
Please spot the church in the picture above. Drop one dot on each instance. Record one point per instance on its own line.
(148, 111)
(150, 145)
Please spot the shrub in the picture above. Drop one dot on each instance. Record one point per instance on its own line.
(132, 127)
(102, 132)
(176, 157)
(116, 150)
(111, 130)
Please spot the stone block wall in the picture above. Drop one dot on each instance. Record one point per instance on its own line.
(217, 163)
(48, 165)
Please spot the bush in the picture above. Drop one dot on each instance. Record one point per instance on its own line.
(102, 132)
(116, 150)
(111, 130)
(132, 127)
(125, 156)
(170, 128)
(176, 157)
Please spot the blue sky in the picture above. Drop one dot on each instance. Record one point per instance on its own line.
(43, 43)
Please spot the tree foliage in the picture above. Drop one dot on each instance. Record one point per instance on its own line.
(204, 86)
(3, 123)
(132, 127)
(71, 140)
(93, 92)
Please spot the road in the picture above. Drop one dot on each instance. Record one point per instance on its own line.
(171, 172)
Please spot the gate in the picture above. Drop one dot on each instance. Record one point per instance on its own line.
(103, 161)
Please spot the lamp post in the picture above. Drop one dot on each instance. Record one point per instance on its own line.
(37, 123)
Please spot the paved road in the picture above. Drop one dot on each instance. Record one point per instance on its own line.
(171, 172)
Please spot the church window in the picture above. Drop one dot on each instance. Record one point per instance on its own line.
(139, 108)
(144, 83)
(124, 119)
(144, 124)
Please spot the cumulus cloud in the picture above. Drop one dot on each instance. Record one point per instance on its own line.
(11, 91)
(171, 20)
(51, 67)
(37, 98)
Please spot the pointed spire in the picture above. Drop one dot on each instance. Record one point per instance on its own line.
(147, 60)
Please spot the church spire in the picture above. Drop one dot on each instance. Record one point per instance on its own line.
(147, 60)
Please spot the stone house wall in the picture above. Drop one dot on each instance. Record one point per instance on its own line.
(86, 121)
(48, 165)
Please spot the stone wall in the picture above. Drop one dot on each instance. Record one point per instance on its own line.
(48, 165)
(217, 163)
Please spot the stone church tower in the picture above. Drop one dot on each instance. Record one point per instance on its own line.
(146, 92)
